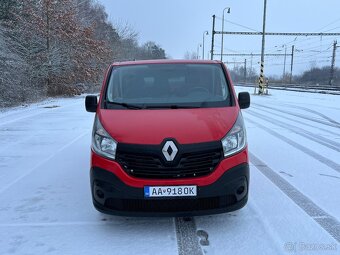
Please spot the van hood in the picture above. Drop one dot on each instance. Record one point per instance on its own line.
(186, 126)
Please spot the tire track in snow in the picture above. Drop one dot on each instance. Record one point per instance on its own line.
(187, 239)
(4, 188)
(18, 141)
(27, 116)
(297, 121)
(57, 224)
(314, 137)
(315, 112)
(325, 220)
(327, 123)
(335, 166)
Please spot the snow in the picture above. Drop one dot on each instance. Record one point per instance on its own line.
(46, 203)
(309, 175)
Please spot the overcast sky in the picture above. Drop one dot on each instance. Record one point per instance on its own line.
(178, 26)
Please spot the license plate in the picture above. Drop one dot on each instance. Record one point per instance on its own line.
(170, 191)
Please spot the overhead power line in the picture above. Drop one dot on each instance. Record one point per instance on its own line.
(279, 34)
(331, 23)
(252, 54)
(332, 29)
(264, 33)
(237, 24)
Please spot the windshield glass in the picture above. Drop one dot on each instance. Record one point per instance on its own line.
(175, 85)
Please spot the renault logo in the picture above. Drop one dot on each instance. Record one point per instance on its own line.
(169, 150)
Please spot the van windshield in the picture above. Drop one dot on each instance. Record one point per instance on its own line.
(168, 86)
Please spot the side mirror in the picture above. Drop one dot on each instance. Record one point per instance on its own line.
(91, 103)
(243, 100)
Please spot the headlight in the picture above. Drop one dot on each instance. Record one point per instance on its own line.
(102, 143)
(236, 138)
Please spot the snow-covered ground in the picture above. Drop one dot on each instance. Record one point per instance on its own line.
(293, 208)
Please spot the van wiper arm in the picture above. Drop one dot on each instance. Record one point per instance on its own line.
(173, 106)
(129, 106)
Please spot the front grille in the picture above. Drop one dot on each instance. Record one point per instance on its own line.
(169, 205)
(150, 163)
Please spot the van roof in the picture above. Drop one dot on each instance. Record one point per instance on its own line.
(165, 61)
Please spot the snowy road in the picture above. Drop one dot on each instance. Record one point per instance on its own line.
(293, 208)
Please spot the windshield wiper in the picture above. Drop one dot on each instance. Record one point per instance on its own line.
(129, 106)
(173, 106)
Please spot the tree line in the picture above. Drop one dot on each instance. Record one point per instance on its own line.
(60, 47)
(314, 75)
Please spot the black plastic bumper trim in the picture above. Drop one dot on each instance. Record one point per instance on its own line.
(112, 196)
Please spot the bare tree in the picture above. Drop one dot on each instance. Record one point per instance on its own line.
(49, 47)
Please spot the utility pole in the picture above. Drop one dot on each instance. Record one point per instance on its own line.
(261, 79)
(245, 70)
(284, 65)
(213, 38)
(251, 63)
(198, 50)
(204, 33)
(291, 65)
(331, 79)
(222, 45)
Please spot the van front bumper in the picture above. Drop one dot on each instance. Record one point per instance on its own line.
(112, 196)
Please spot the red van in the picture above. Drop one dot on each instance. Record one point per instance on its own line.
(168, 139)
